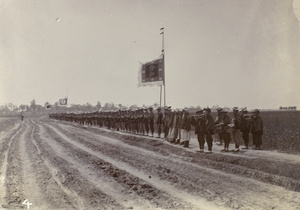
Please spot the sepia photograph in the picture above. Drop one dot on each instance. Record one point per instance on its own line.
(150, 104)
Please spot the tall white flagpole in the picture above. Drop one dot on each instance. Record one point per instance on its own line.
(163, 54)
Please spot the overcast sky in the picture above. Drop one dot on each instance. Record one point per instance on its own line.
(243, 53)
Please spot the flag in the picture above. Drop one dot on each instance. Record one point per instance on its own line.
(63, 102)
(152, 73)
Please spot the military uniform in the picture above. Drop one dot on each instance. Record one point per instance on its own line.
(257, 129)
(236, 133)
(199, 123)
(245, 128)
(151, 120)
(159, 121)
(224, 122)
(186, 126)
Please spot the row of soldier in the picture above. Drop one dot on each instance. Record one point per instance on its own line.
(176, 125)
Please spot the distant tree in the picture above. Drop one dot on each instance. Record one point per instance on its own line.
(33, 105)
(39, 107)
(98, 105)
(281, 108)
(22, 107)
(88, 106)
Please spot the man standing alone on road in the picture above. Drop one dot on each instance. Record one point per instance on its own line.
(257, 129)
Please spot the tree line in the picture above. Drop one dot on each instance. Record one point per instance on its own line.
(288, 108)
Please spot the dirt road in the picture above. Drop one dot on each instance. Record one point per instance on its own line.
(58, 165)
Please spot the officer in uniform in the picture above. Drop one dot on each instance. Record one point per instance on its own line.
(174, 127)
(224, 122)
(166, 121)
(186, 125)
(209, 129)
(218, 129)
(236, 133)
(151, 120)
(171, 120)
(198, 122)
(146, 122)
(179, 128)
(159, 121)
(245, 127)
(257, 129)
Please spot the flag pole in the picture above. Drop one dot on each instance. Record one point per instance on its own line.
(163, 54)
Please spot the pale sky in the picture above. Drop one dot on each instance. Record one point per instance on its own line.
(243, 53)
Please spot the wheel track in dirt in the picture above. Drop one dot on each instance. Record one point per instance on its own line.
(266, 189)
(97, 179)
(6, 143)
(282, 173)
(49, 193)
(27, 177)
(68, 177)
(132, 184)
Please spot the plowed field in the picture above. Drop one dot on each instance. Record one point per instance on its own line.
(48, 164)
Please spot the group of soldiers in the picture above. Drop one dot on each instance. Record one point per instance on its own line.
(239, 128)
(139, 121)
(176, 125)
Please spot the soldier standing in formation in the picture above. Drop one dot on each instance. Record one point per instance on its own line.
(166, 121)
(217, 121)
(151, 121)
(257, 129)
(186, 125)
(159, 121)
(199, 123)
(236, 133)
(209, 129)
(222, 123)
(245, 127)
(177, 124)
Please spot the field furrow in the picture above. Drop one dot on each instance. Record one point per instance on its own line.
(61, 165)
(178, 171)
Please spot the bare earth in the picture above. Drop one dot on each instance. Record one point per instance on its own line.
(59, 165)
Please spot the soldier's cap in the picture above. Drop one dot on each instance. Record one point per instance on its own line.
(200, 111)
(207, 109)
(150, 108)
(235, 109)
(223, 111)
(255, 111)
(244, 110)
(159, 108)
(219, 109)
